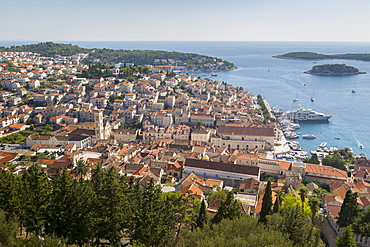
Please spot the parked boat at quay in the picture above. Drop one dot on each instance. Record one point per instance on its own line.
(291, 135)
(305, 115)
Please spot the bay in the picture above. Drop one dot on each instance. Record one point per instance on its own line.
(282, 80)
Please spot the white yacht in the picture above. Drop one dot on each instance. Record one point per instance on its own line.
(305, 115)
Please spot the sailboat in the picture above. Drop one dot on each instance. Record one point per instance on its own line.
(354, 90)
(296, 99)
(312, 98)
(360, 144)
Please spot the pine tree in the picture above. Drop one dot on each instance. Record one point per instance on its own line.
(266, 203)
(346, 239)
(36, 191)
(152, 220)
(349, 210)
(229, 209)
(58, 217)
(202, 217)
(299, 229)
(8, 230)
(110, 207)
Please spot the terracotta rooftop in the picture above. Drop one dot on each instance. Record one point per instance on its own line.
(219, 166)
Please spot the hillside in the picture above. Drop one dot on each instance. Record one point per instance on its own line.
(191, 61)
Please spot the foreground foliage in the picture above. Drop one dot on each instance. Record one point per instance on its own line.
(243, 231)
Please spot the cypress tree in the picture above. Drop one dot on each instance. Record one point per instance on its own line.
(202, 217)
(346, 239)
(276, 205)
(349, 210)
(266, 203)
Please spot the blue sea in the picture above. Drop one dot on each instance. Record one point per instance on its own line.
(280, 81)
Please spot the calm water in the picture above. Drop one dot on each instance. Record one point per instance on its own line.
(281, 80)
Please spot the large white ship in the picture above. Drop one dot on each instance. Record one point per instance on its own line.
(305, 115)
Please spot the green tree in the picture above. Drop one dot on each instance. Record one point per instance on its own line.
(10, 196)
(153, 219)
(276, 207)
(349, 210)
(346, 239)
(334, 160)
(280, 194)
(266, 203)
(361, 224)
(229, 209)
(111, 208)
(202, 217)
(71, 210)
(314, 203)
(8, 230)
(303, 192)
(81, 169)
(313, 160)
(36, 191)
(299, 229)
(243, 231)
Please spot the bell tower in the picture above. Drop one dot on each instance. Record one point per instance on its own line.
(98, 121)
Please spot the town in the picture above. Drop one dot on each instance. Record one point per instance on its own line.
(158, 124)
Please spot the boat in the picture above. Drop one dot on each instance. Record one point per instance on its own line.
(305, 115)
(323, 144)
(295, 100)
(309, 136)
(312, 99)
(337, 137)
(291, 135)
(353, 91)
(360, 144)
(213, 74)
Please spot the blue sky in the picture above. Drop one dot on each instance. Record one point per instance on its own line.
(198, 20)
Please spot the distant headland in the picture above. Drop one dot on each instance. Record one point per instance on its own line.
(334, 70)
(187, 62)
(317, 56)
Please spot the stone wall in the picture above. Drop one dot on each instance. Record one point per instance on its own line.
(331, 230)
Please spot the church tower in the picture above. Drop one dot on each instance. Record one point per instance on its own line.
(99, 125)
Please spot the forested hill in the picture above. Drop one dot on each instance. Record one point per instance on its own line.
(139, 57)
(317, 56)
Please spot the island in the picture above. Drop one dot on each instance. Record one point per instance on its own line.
(186, 62)
(334, 70)
(317, 56)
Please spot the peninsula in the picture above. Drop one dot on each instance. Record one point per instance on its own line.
(334, 70)
(178, 61)
(317, 56)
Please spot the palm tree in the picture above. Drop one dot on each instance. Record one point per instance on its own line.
(280, 194)
(303, 192)
(81, 168)
(314, 203)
